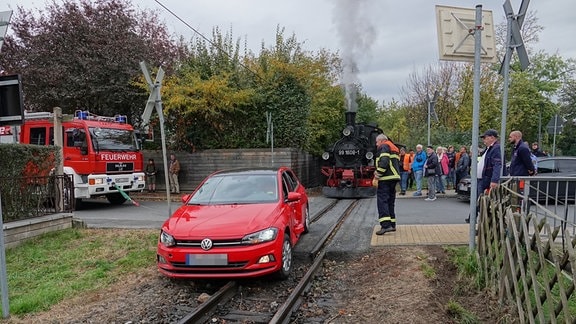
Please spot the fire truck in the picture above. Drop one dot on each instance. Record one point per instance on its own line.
(101, 154)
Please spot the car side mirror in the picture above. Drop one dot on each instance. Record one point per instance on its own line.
(294, 196)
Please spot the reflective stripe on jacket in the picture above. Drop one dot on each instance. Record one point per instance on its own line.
(387, 162)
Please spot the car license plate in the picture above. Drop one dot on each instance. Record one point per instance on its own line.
(206, 259)
(121, 180)
(462, 187)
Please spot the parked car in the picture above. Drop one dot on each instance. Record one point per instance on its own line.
(237, 223)
(557, 166)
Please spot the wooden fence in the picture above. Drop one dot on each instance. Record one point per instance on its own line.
(528, 263)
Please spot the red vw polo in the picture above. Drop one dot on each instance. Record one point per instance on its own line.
(237, 223)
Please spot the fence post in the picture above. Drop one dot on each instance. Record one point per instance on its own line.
(59, 142)
(3, 273)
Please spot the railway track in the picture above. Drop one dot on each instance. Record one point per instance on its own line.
(269, 301)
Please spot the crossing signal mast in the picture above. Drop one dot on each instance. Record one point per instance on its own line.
(155, 101)
(4, 22)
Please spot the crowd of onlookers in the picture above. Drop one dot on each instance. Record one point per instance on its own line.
(451, 167)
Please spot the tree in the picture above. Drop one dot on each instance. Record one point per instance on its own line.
(219, 98)
(85, 55)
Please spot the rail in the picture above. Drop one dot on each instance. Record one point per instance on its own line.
(28, 197)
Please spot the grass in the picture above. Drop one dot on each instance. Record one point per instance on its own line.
(60, 265)
(459, 312)
(428, 270)
(468, 265)
(470, 271)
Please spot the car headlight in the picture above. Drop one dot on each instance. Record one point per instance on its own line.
(325, 156)
(167, 239)
(266, 235)
(139, 178)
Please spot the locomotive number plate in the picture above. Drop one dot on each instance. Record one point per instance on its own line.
(349, 152)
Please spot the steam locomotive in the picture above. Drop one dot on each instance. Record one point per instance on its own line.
(349, 164)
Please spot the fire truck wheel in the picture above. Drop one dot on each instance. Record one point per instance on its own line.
(78, 204)
(116, 198)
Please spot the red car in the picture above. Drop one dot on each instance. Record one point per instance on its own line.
(236, 224)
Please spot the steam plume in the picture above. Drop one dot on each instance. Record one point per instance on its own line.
(356, 34)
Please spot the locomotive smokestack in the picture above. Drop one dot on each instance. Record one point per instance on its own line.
(350, 118)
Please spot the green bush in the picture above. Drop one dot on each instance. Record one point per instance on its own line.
(24, 172)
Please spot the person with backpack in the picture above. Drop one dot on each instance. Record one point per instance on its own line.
(521, 163)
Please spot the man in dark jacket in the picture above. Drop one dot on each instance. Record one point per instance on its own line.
(387, 174)
(521, 162)
(431, 171)
(490, 163)
(463, 166)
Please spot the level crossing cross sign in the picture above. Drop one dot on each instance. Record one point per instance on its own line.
(515, 25)
(154, 99)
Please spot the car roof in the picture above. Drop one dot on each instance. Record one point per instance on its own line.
(545, 158)
(249, 171)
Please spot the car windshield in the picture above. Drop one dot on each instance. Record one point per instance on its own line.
(236, 189)
(112, 139)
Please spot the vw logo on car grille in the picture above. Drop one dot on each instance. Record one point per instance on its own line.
(206, 244)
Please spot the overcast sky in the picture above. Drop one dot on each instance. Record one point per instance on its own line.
(392, 38)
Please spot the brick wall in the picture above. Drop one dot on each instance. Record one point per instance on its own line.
(196, 166)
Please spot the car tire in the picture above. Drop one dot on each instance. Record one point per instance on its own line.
(286, 261)
(306, 220)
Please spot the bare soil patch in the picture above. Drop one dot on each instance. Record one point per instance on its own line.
(401, 285)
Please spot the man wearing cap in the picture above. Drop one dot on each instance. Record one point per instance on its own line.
(489, 164)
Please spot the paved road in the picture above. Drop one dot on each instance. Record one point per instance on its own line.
(151, 214)
(450, 210)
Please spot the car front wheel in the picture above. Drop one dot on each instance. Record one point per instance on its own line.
(286, 267)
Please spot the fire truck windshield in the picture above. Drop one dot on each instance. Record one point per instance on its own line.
(112, 139)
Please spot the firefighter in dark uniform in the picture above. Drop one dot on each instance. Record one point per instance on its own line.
(387, 174)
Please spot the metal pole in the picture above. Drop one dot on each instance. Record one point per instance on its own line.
(272, 138)
(164, 155)
(475, 125)
(555, 131)
(506, 72)
(59, 143)
(3, 272)
(540, 125)
(429, 103)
